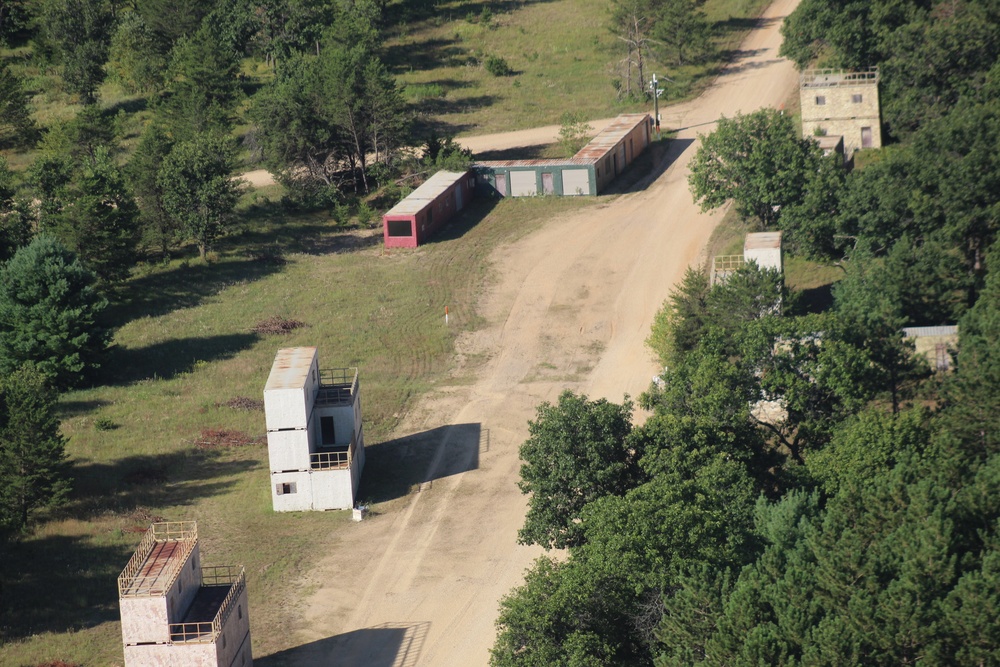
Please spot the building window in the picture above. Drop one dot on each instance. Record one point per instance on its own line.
(820, 100)
(857, 99)
(327, 434)
(284, 487)
(400, 228)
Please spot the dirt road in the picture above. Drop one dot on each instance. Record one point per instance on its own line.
(420, 585)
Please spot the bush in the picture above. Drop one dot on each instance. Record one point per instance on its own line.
(497, 66)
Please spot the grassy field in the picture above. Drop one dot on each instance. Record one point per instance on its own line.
(561, 52)
(185, 348)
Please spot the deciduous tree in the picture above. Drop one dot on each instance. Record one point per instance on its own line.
(757, 162)
(198, 188)
(577, 452)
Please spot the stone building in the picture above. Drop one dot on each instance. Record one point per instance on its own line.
(839, 103)
(176, 613)
(315, 443)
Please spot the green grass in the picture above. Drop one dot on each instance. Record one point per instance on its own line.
(562, 54)
(184, 347)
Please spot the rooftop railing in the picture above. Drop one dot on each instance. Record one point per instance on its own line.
(334, 459)
(337, 386)
(185, 532)
(204, 632)
(837, 77)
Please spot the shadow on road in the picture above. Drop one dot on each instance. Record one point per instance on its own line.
(397, 467)
(386, 645)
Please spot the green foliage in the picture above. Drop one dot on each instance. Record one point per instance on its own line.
(446, 154)
(100, 219)
(134, 61)
(757, 162)
(574, 133)
(577, 452)
(143, 172)
(76, 33)
(198, 189)
(203, 87)
(565, 616)
(171, 20)
(32, 452)
(497, 66)
(49, 313)
(327, 117)
(16, 218)
(678, 325)
(16, 125)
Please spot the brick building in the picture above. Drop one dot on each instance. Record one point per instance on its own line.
(838, 103)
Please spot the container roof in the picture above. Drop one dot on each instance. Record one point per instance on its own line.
(762, 241)
(291, 368)
(609, 137)
(919, 332)
(426, 193)
(535, 163)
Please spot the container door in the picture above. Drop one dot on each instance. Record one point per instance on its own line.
(548, 186)
(458, 198)
(866, 137)
(502, 184)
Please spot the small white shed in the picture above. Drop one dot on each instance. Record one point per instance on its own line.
(764, 248)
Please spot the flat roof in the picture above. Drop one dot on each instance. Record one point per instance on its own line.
(609, 137)
(555, 162)
(920, 332)
(822, 78)
(159, 557)
(762, 241)
(290, 369)
(427, 192)
(829, 142)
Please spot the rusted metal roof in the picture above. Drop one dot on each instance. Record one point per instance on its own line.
(291, 368)
(609, 137)
(426, 193)
(536, 163)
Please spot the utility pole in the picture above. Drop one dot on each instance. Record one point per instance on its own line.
(655, 87)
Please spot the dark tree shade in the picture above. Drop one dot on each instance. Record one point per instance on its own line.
(49, 313)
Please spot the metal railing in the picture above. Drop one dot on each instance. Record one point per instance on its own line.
(837, 77)
(169, 531)
(334, 460)
(727, 262)
(337, 385)
(205, 632)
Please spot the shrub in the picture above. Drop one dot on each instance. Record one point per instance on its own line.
(497, 66)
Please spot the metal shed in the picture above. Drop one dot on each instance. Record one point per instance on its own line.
(417, 217)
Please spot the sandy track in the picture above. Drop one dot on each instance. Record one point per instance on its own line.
(419, 585)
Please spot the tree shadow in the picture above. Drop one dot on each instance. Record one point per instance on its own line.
(741, 23)
(58, 583)
(162, 292)
(173, 479)
(169, 358)
(440, 106)
(385, 645)
(70, 408)
(429, 54)
(813, 300)
(395, 467)
(516, 153)
(130, 106)
(477, 210)
(62, 583)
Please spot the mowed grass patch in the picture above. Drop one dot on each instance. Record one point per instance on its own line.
(562, 54)
(186, 349)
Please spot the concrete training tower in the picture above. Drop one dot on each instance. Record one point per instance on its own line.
(315, 444)
(839, 103)
(177, 614)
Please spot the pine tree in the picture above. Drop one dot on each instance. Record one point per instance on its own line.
(32, 452)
